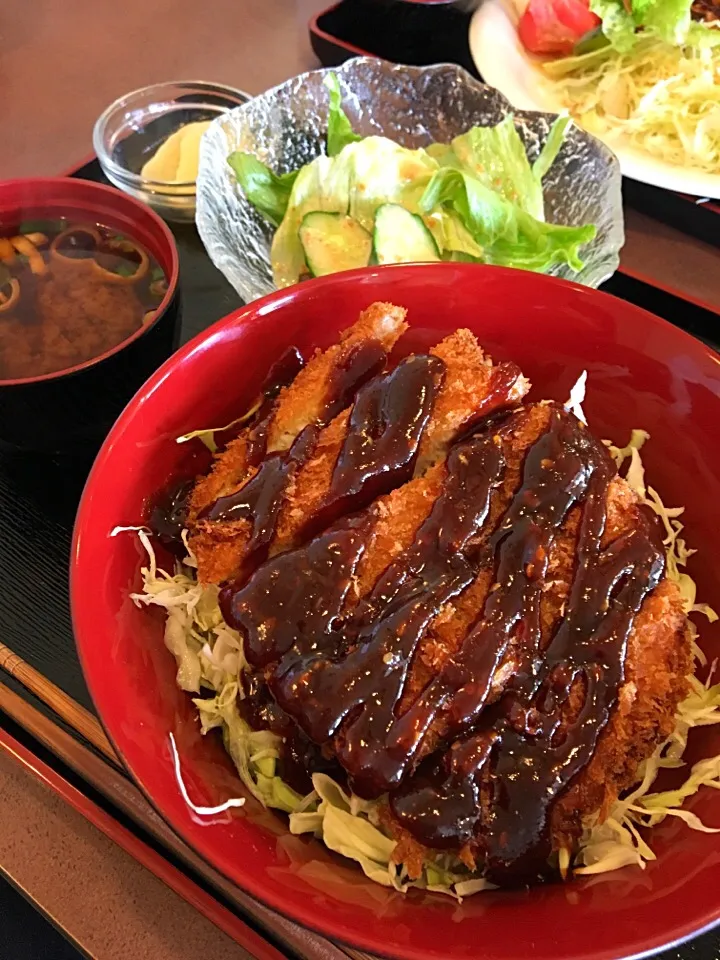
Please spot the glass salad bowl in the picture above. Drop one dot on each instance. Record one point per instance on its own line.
(286, 128)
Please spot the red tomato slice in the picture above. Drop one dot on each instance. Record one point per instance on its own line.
(555, 26)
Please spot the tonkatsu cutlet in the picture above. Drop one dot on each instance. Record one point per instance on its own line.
(510, 602)
(220, 546)
(471, 386)
(656, 666)
(466, 384)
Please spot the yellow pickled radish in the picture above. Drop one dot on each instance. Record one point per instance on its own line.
(177, 159)
(190, 152)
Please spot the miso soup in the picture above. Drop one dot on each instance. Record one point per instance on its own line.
(69, 292)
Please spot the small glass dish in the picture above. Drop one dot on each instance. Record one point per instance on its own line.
(133, 128)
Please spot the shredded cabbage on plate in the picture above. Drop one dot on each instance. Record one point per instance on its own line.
(661, 97)
(210, 662)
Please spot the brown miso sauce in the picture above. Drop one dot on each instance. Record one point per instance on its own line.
(300, 757)
(70, 291)
(168, 515)
(338, 668)
(260, 499)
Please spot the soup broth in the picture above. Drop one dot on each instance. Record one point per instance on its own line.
(70, 290)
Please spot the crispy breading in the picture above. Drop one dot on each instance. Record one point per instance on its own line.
(300, 403)
(452, 623)
(465, 387)
(229, 469)
(220, 546)
(399, 515)
(310, 485)
(468, 381)
(303, 401)
(657, 664)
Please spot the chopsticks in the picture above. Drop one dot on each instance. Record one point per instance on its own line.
(110, 780)
(73, 713)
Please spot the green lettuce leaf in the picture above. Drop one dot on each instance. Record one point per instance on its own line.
(486, 180)
(669, 20)
(496, 157)
(268, 192)
(508, 234)
(340, 132)
(618, 24)
(452, 237)
(550, 149)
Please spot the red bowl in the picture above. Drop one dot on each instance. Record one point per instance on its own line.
(642, 373)
(75, 406)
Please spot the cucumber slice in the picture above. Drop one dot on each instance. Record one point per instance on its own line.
(457, 256)
(333, 242)
(402, 237)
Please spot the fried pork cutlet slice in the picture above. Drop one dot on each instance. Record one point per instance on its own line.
(220, 546)
(472, 387)
(657, 660)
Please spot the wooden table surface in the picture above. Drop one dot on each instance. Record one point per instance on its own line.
(61, 63)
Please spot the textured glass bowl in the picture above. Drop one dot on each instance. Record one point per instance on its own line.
(285, 128)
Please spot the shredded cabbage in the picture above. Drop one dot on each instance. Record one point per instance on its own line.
(207, 435)
(210, 661)
(659, 97)
(576, 398)
(617, 841)
(209, 658)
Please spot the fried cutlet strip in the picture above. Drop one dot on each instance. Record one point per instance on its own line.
(300, 403)
(229, 468)
(658, 661)
(310, 486)
(470, 377)
(220, 546)
(398, 517)
(450, 627)
(468, 383)
(303, 401)
(657, 667)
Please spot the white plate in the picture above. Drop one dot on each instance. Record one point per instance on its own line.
(504, 64)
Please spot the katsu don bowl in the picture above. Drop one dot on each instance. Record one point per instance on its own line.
(384, 596)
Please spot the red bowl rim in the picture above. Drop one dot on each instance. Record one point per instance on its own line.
(79, 601)
(101, 190)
